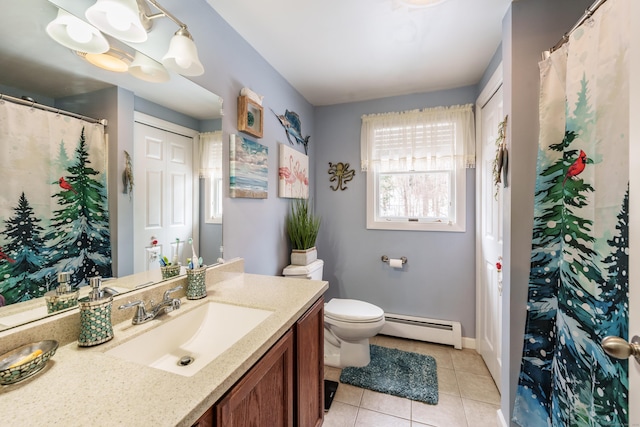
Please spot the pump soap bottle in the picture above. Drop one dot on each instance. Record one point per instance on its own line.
(95, 316)
(63, 296)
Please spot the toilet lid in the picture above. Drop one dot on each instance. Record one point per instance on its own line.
(352, 310)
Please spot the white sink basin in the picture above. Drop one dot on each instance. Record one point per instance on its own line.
(190, 341)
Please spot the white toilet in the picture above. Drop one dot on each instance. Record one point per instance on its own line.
(348, 323)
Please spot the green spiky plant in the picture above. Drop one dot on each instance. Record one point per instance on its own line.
(302, 225)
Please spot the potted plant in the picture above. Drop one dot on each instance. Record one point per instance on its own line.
(302, 228)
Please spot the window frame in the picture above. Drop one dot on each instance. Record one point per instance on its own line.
(213, 200)
(458, 188)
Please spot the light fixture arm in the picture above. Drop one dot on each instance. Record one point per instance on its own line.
(163, 12)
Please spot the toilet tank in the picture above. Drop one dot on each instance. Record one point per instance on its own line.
(311, 271)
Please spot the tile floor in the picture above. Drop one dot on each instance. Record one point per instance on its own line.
(468, 396)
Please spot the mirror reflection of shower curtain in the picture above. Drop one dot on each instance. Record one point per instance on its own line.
(578, 286)
(53, 201)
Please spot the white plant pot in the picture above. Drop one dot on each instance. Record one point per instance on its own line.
(304, 257)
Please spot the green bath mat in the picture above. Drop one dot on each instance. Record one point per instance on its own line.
(398, 373)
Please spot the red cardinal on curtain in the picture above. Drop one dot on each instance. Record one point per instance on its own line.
(65, 185)
(7, 257)
(577, 167)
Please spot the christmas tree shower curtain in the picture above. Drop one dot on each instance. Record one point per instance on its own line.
(578, 286)
(53, 202)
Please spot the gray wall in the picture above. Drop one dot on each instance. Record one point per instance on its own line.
(252, 229)
(530, 27)
(439, 280)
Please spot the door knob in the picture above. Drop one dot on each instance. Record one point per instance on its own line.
(620, 349)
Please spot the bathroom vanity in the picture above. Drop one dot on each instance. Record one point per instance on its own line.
(272, 375)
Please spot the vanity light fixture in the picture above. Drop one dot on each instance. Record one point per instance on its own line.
(76, 34)
(148, 69)
(126, 19)
(118, 18)
(182, 56)
(129, 21)
(114, 60)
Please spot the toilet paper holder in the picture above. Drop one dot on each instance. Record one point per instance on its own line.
(385, 258)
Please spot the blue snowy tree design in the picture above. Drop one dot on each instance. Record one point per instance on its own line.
(566, 379)
(22, 279)
(79, 239)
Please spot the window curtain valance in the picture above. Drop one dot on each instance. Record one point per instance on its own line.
(210, 154)
(427, 139)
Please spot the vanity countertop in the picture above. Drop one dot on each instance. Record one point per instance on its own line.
(84, 386)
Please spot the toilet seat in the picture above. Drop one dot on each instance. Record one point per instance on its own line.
(352, 311)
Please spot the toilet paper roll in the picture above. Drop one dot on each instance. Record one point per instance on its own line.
(395, 263)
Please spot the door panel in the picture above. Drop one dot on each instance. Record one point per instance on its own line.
(163, 190)
(491, 240)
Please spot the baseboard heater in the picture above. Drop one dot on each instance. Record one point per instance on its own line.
(422, 329)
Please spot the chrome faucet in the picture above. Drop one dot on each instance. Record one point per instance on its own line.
(165, 306)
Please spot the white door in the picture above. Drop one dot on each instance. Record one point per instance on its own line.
(634, 287)
(634, 208)
(489, 235)
(163, 196)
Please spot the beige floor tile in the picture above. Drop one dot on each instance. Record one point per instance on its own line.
(340, 415)
(349, 394)
(469, 361)
(331, 373)
(441, 353)
(393, 342)
(417, 424)
(477, 387)
(449, 412)
(480, 414)
(387, 404)
(367, 418)
(447, 381)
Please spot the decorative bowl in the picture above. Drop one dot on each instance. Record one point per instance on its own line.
(25, 361)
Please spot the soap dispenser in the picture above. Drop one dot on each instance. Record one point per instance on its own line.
(63, 296)
(95, 315)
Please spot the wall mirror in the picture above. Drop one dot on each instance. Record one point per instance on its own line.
(35, 66)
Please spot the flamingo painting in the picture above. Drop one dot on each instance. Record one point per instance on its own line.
(293, 181)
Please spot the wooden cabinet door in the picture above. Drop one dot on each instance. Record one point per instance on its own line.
(264, 396)
(310, 367)
(206, 420)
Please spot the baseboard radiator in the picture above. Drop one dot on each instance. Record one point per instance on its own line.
(423, 329)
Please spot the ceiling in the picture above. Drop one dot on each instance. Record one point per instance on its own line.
(339, 51)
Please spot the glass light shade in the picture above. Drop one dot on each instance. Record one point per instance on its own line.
(182, 56)
(118, 18)
(147, 69)
(113, 60)
(76, 34)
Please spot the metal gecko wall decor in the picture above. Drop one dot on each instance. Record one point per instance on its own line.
(340, 174)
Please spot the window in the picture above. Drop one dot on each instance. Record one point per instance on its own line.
(211, 171)
(415, 163)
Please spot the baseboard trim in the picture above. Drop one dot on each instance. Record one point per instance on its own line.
(469, 343)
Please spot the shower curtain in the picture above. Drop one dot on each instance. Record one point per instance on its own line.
(578, 286)
(53, 201)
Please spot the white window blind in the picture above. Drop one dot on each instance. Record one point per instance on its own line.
(419, 139)
(415, 163)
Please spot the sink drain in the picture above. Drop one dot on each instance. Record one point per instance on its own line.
(185, 361)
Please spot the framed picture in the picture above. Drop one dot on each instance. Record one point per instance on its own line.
(293, 173)
(250, 117)
(248, 168)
